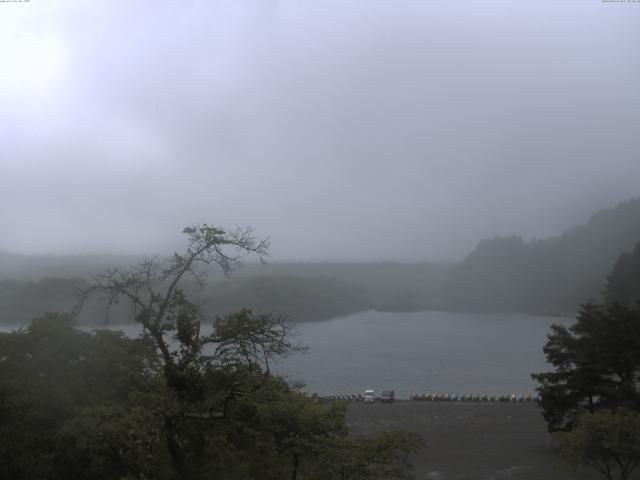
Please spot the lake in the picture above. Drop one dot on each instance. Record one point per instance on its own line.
(438, 352)
(420, 352)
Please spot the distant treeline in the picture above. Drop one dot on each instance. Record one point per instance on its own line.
(302, 291)
(385, 286)
(312, 298)
(550, 276)
(21, 302)
(24, 268)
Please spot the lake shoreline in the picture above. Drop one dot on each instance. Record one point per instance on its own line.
(9, 325)
(412, 353)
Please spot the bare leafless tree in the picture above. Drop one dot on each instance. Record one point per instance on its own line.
(157, 291)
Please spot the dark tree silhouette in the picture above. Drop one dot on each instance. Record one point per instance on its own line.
(623, 283)
(597, 364)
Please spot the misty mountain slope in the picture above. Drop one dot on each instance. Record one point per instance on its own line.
(312, 291)
(22, 268)
(299, 298)
(21, 302)
(554, 275)
(302, 290)
(389, 286)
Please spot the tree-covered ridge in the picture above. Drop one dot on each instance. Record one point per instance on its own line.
(20, 302)
(302, 291)
(554, 275)
(300, 298)
(388, 286)
(24, 268)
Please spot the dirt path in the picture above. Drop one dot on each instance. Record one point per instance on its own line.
(471, 441)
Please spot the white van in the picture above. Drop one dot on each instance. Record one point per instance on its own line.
(369, 396)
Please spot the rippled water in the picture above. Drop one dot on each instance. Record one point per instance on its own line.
(419, 352)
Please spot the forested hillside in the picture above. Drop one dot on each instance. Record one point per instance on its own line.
(550, 276)
(37, 267)
(554, 275)
(302, 291)
(388, 286)
(300, 298)
(21, 302)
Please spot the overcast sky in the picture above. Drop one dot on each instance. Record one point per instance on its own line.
(345, 130)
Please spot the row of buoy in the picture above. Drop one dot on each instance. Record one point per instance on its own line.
(445, 397)
(344, 398)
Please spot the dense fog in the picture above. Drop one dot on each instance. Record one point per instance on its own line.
(305, 239)
(343, 130)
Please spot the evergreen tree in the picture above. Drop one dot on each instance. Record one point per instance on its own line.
(597, 364)
(623, 283)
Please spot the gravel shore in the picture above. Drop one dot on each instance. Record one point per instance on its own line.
(471, 441)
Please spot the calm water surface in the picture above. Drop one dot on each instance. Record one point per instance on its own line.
(419, 352)
(422, 352)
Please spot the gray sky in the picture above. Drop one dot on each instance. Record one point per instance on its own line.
(344, 129)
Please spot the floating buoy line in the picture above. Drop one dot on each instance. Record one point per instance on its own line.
(445, 397)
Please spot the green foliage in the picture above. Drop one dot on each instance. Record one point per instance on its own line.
(608, 441)
(597, 364)
(623, 283)
(49, 373)
(114, 440)
(77, 405)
